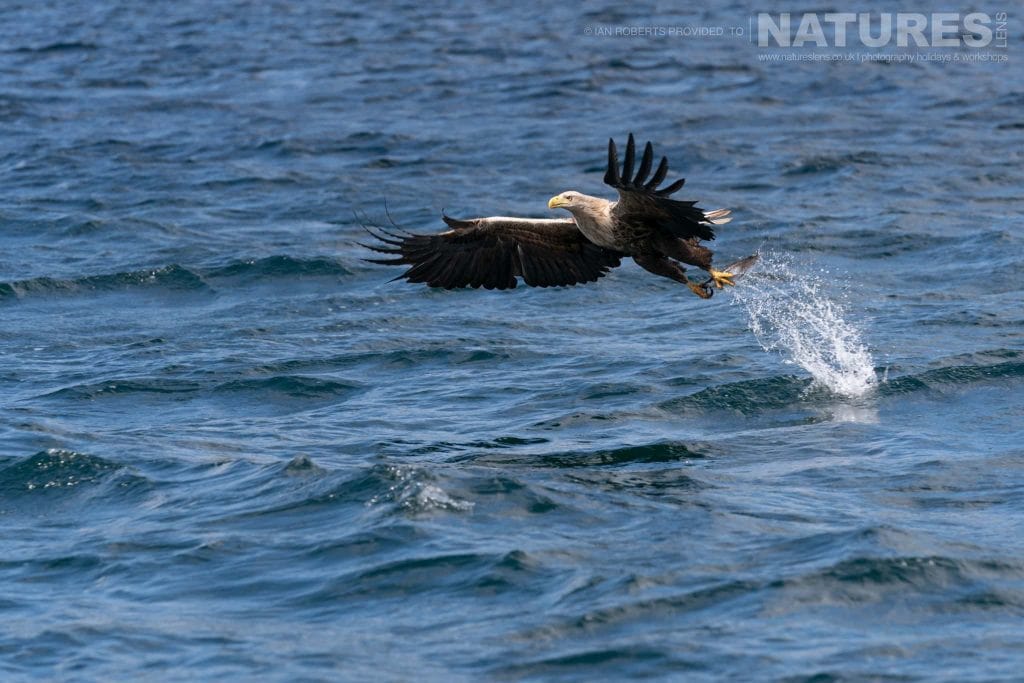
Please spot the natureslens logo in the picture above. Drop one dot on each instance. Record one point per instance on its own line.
(888, 29)
(969, 37)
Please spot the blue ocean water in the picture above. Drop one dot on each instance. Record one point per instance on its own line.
(232, 449)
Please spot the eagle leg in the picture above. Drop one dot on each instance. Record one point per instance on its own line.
(660, 265)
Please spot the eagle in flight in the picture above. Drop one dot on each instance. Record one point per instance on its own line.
(658, 233)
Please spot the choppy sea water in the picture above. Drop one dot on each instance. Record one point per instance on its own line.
(232, 449)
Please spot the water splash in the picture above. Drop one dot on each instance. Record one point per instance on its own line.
(412, 490)
(790, 312)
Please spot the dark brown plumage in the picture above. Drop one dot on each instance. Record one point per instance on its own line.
(492, 252)
(643, 210)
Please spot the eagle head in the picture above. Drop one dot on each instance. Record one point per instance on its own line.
(566, 200)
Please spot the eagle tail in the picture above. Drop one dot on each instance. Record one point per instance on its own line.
(718, 216)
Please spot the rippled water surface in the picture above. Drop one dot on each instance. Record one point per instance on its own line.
(231, 449)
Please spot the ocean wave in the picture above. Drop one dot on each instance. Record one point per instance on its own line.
(60, 46)
(170, 278)
(954, 376)
(922, 571)
(291, 386)
(275, 387)
(122, 387)
(249, 181)
(470, 447)
(413, 490)
(780, 392)
(302, 466)
(713, 596)
(832, 163)
(437, 573)
(54, 468)
(630, 661)
(661, 452)
(176, 278)
(888, 238)
(948, 584)
(278, 266)
(951, 584)
(749, 397)
(382, 490)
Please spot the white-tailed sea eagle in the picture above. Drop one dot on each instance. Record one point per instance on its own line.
(645, 224)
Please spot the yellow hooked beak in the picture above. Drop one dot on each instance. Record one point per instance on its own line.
(556, 201)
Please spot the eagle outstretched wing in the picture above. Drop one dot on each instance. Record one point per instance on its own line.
(642, 206)
(492, 252)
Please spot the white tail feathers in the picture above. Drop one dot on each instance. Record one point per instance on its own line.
(718, 216)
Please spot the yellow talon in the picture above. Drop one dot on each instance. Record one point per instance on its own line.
(722, 278)
(700, 290)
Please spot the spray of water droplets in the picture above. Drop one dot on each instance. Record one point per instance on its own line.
(790, 312)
